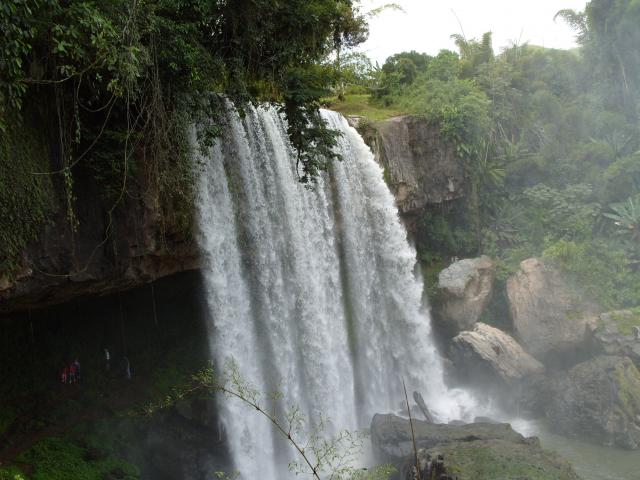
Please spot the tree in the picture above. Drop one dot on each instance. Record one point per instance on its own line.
(626, 217)
(607, 30)
(118, 84)
(473, 53)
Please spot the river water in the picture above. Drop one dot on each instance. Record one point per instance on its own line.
(590, 461)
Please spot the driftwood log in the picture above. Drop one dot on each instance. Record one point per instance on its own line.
(423, 407)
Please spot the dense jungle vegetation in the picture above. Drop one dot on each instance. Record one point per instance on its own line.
(550, 140)
(112, 87)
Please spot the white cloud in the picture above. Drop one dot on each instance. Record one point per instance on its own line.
(426, 25)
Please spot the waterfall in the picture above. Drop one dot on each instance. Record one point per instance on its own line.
(311, 291)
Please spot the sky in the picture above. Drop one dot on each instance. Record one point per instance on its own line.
(426, 25)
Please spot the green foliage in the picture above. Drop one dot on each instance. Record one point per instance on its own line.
(11, 473)
(602, 272)
(553, 213)
(123, 81)
(626, 323)
(360, 104)
(457, 106)
(626, 218)
(549, 141)
(60, 459)
(25, 196)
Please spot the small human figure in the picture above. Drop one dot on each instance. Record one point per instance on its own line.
(76, 364)
(65, 374)
(72, 373)
(127, 368)
(107, 358)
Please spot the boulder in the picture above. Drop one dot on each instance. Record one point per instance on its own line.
(551, 318)
(598, 400)
(618, 333)
(464, 289)
(488, 353)
(478, 451)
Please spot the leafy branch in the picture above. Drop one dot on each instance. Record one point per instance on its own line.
(324, 457)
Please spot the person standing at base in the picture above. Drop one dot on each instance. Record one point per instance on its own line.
(76, 364)
(107, 359)
(127, 368)
(72, 373)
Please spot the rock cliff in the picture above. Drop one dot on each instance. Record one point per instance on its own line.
(144, 240)
(141, 241)
(420, 168)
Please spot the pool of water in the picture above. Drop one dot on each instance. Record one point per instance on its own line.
(591, 462)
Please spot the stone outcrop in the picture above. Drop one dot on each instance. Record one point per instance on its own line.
(618, 333)
(550, 317)
(420, 168)
(598, 399)
(478, 451)
(184, 442)
(487, 353)
(141, 242)
(464, 289)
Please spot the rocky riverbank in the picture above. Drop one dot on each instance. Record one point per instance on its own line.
(476, 451)
(561, 357)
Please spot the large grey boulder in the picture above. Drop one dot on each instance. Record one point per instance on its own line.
(618, 333)
(549, 315)
(464, 289)
(477, 451)
(489, 352)
(598, 399)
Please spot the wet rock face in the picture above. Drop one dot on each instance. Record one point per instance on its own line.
(419, 168)
(465, 288)
(478, 451)
(184, 443)
(486, 353)
(618, 333)
(550, 317)
(141, 242)
(598, 399)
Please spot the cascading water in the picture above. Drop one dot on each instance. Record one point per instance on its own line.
(311, 291)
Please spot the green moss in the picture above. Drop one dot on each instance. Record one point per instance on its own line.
(628, 380)
(386, 175)
(625, 323)
(25, 196)
(61, 459)
(574, 314)
(359, 104)
(431, 268)
(499, 460)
